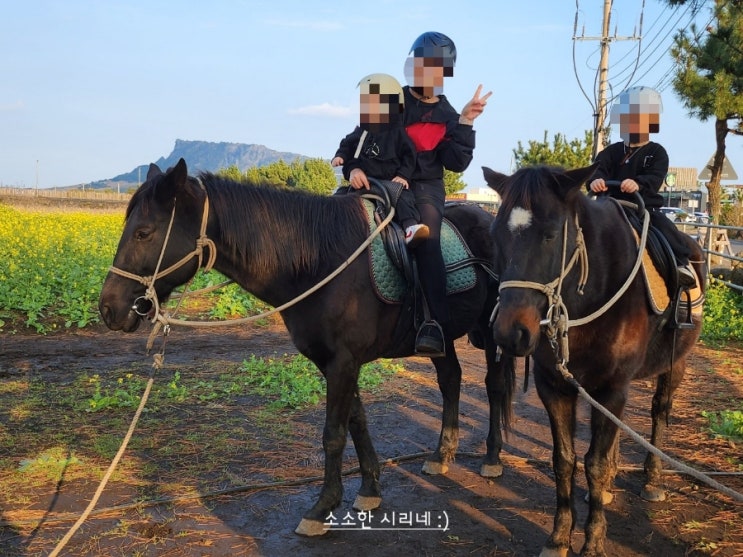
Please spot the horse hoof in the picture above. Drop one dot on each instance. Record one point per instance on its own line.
(433, 468)
(364, 503)
(653, 494)
(311, 528)
(554, 552)
(606, 497)
(491, 470)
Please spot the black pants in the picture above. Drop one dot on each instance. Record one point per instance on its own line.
(429, 196)
(406, 212)
(676, 239)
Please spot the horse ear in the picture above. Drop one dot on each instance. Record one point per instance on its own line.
(173, 182)
(180, 172)
(495, 180)
(153, 171)
(581, 175)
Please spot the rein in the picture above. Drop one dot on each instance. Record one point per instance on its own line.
(556, 321)
(165, 320)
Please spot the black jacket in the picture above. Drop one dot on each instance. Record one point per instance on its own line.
(646, 165)
(440, 140)
(383, 155)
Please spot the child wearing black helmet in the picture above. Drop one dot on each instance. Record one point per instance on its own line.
(443, 139)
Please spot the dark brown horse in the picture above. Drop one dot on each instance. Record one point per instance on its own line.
(277, 244)
(561, 257)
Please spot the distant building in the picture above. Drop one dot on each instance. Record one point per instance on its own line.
(486, 198)
(682, 189)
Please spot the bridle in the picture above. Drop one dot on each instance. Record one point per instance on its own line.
(556, 321)
(203, 241)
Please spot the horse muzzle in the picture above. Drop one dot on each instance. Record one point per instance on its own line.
(517, 330)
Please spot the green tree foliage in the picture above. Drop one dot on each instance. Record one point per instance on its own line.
(568, 154)
(232, 172)
(313, 175)
(277, 174)
(453, 182)
(709, 80)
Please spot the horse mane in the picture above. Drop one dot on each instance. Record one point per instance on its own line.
(270, 228)
(526, 188)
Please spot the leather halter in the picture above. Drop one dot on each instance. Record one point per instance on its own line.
(556, 321)
(149, 281)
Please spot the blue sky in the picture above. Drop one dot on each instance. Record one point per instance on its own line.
(91, 89)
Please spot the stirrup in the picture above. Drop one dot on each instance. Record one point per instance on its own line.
(429, 341)
(688, 323)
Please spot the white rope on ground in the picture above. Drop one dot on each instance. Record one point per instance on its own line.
(167, 320)
(648, 446)
(506, 458)
(63, 542)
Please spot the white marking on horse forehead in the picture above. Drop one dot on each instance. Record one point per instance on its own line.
(518, 219)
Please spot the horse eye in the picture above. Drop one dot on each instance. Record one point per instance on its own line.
(142, 234)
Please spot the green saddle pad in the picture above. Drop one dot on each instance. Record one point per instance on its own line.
(389, 282)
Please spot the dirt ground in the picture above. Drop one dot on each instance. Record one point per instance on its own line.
(508, 516)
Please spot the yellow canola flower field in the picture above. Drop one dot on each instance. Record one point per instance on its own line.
(52, 265)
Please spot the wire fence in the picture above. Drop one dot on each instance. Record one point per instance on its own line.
(721, 248)
(63, 193)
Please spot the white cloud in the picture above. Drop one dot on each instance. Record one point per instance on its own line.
(324, 109)
(18, 105)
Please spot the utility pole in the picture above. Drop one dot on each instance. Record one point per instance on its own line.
(599, 128)
(599, 114)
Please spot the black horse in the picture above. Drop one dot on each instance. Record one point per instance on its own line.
(561, 257)
(278, 243)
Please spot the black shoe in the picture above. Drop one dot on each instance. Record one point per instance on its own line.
(430, 340)
(686, 277)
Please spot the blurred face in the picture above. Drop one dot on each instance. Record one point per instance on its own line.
(376, 108)
(638, 114)
(426, 73)
(636, 127)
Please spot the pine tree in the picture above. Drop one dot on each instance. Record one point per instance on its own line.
(709, 80)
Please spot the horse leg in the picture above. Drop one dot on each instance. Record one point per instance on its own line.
(370, 493)
(660, 412)
(341, 383)
(613, 464)
(601, 468)
(449, 375)
(560, 408)
(499, 383)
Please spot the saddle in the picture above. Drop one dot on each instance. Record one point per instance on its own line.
(666, 296)
(385, 194)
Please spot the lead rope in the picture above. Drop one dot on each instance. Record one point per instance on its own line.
(158, 359)
(557, 325)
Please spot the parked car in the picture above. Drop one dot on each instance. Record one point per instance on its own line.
(676, 214)
(700, 217)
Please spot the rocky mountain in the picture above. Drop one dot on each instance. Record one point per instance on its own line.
(205, 155)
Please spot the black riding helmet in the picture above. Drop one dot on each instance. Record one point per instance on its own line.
(436, 45)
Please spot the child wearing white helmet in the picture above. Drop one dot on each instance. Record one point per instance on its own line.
(380, 148)
(641, 165)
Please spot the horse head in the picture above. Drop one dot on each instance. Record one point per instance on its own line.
(162, 224)
(535, 231)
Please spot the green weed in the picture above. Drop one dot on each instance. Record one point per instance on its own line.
(726, 423)
(50, 464)
(294, 381)
(723, 314)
